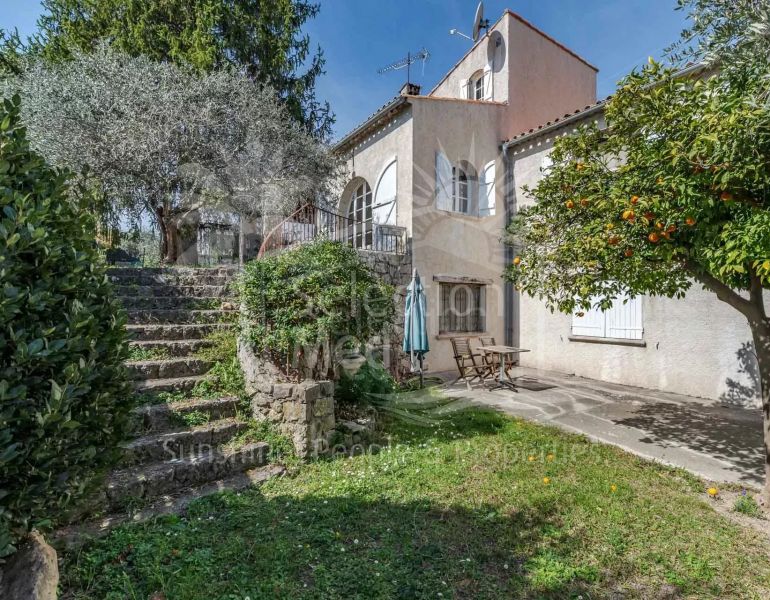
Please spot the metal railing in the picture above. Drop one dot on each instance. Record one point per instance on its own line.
(311, 223)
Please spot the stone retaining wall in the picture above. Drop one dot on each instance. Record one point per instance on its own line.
(302, 411)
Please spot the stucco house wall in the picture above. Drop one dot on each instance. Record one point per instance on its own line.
(697, 346)
(448, 243)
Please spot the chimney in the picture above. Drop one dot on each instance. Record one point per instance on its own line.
(410, 89)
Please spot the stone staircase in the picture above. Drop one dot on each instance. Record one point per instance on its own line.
(183, 449)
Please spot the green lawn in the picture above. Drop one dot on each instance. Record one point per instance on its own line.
(456, 510)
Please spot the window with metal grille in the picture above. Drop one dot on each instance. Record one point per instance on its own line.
(462, 308)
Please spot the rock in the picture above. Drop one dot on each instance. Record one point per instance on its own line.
(32, 573)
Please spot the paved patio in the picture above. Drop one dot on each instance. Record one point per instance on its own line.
(704, 437)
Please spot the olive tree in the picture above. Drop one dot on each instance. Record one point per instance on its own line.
(676, 190)
(167, 141)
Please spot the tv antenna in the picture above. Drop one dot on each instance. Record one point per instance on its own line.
(406, 63)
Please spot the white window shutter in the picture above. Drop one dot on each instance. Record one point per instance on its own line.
(624, 321)
(384, 211)
(487, 191)
(443, 182)
(464, 92)
(488, 92)
(591, 323)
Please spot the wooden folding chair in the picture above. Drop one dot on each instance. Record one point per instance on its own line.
(492, 361)
(466, 362)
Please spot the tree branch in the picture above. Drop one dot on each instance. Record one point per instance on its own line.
(723, 292)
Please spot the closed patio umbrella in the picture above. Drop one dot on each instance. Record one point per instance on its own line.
(415, 327)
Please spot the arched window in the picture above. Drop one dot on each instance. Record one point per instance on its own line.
(360, 217)
(476, 86)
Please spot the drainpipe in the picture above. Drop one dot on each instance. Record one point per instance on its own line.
(510, 296)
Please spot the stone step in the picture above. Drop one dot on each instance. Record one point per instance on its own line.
(185, 291)
(166, 504)
(168, 368)
(176, 302)
(172, 347)
(181, 316)
(160, 417)
(224, 270)
(174, 445)
(174, 384)
(150, 481)
(175, 332)
(197, 278)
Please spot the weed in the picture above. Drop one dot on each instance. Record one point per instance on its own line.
(748, 506)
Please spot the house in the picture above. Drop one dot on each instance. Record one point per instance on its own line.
(698, 346)
(432, 164)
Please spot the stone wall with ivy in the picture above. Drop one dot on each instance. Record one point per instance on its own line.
(394, 270)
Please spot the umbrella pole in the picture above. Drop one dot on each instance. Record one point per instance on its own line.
(421, 378)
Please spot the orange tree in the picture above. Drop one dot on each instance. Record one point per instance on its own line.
(674, 191)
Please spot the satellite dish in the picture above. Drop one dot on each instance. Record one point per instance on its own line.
(479, 21)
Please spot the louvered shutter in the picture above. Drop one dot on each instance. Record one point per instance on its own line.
(488, 91)
(624, 321)
(487, 191)
(443, 182)
(592, 323)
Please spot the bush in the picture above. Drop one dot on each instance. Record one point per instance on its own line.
(371, 384)
(64, 396)
(306, 305)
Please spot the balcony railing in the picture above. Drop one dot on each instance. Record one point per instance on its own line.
(312, 223)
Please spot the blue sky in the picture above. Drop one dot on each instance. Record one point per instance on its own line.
(359, 36)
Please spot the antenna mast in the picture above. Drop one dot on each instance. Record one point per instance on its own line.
(406, 62)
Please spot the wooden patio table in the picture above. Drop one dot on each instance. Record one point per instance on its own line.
(503, 352)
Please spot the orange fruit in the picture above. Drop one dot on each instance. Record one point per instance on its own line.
(671, 228)
(654, 237)
(584, 202)
(634, 199)
(517, 260)
(659, 225)
(628, 253)
(726, 196)
(690, 221)
(628, 215)
(569, 204)
(613, 240)
(649, 215)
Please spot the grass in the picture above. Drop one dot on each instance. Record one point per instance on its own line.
(139, 353)
(471, 506)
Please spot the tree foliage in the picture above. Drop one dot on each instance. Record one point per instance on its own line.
(64, 396)
(676, 187)
(260, 37)
(305, 305)
(167, 141)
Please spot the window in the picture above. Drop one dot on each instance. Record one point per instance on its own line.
(622, 321)
(460, 189)
(478, 88)
(462, 307)
(360, 217)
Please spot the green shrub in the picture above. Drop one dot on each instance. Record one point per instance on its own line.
(748, 506)
(372, 383)
(306, 305)
(64, 396)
